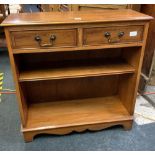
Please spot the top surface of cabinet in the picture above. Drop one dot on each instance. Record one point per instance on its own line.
(74, 17)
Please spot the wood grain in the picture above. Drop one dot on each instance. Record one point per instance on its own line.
(21, 98)
(76, 88)
(78, 115)
(29, 135)
(84, 48)
(26, 39)
(75, 72)
(95, 36)
(76, 112)
(46, 18)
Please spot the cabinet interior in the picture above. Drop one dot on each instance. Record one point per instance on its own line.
(111, 83)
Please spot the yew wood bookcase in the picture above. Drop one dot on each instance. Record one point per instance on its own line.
(75, 71)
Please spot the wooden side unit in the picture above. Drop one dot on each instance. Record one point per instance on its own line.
(85, 78)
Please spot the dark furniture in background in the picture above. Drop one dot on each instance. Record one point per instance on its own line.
(3, 9)
(150, 47)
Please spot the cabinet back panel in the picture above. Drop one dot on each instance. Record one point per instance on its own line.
(68, 89)
(47, 60)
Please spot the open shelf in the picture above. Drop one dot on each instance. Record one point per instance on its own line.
(81, 69)
(75, 112)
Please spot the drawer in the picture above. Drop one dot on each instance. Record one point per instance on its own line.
(110, 35)
(44, 38)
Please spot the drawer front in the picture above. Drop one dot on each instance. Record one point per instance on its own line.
(109, 35)
(44, 38)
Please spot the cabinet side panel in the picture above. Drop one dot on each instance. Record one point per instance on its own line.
(129, 85)
(21, 100)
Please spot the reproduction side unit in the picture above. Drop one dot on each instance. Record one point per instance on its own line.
(75, 71)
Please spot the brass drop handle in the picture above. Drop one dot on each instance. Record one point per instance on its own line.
(51, 39)
(121, 34)
(37, 38)
(108, 36)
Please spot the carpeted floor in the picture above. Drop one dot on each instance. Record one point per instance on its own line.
(139, 138)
